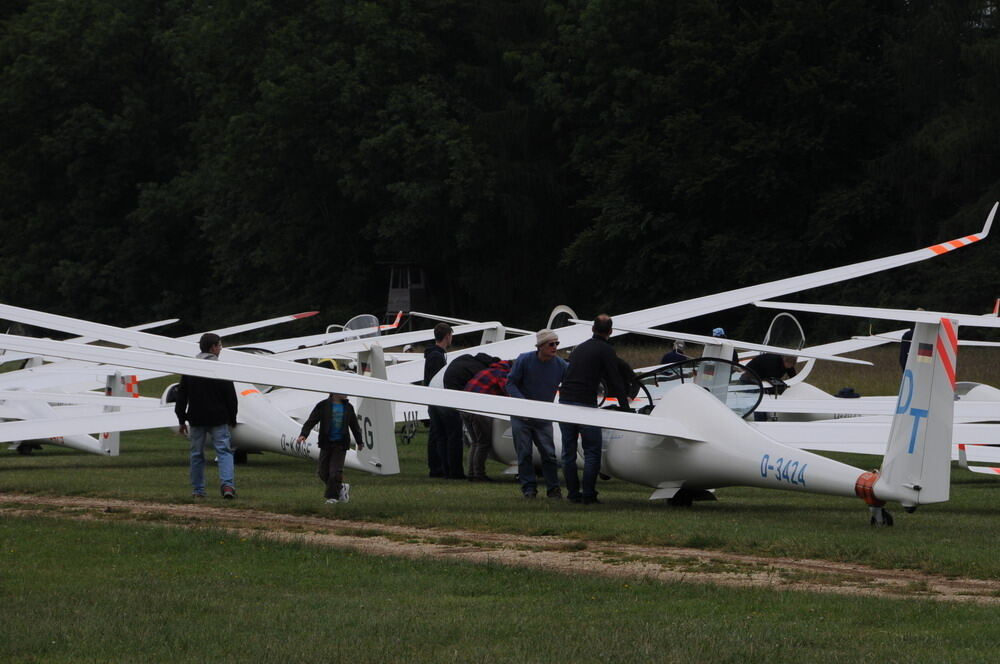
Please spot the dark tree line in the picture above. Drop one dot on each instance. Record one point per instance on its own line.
(229, 160)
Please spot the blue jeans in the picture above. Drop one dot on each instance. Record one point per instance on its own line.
(529, 433)
(220, 438)
(590, 441)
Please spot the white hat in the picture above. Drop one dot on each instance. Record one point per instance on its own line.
(544, 336)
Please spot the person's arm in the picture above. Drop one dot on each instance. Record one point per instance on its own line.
(514, 379)
(232, 403)
(613, 379)
(352, 424)
(314, 417)
(180, 405)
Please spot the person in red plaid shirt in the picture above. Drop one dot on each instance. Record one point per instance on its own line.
(491, 380)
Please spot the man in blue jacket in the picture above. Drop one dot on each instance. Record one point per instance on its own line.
(536, 375)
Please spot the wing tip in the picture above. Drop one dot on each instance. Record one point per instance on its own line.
(989, 221)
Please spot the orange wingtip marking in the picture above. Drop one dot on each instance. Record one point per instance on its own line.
(996, 470)
(305, 314)
(958, 243)
(972, 238)
(939, 249)
(949, 368)
(246, 392)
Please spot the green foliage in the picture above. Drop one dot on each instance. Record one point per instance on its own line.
(226, 160)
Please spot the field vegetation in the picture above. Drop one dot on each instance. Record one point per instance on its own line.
(107, 591)
(103, 592)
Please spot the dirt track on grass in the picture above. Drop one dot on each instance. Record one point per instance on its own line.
(554, 554)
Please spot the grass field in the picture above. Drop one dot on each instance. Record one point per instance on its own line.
(107, 592)
(951, 538)
(129, 592)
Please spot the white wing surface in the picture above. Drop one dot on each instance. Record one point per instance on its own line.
(668, 313)
(332, 381)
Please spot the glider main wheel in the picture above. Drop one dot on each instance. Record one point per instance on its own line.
(681, 499)
(25, 448)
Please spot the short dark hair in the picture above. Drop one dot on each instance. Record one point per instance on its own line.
(441, 330)
(208, 340)
(602, 324)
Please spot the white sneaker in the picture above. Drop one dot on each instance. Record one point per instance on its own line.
(330, 501)
(345, 492)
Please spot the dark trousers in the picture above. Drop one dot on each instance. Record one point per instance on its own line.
(331, 468)
(590, 438)
(453, 452)
(435, 434)
(446, 434)
(480, 430)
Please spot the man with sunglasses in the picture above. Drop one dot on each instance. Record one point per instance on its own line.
(536, 375)
(591, 363)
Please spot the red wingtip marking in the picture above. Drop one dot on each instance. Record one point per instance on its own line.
(305, 314)
(949, 369)
(996, 470)
(952, 335)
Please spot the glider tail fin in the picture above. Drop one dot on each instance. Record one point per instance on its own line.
(377, 420)
(117, 385)
(917, 465)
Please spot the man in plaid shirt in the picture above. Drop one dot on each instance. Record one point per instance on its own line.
(492, 380)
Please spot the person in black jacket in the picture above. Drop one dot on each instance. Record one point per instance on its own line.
(459, 372)
(337, 422)
(445, 434)
(590, 363)
(209, 405)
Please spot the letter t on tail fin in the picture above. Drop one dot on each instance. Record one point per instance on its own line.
(917, 465)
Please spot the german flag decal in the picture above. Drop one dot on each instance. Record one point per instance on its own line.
(925, 352)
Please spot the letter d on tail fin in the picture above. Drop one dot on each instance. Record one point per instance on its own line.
(378, 424)
(917, 465)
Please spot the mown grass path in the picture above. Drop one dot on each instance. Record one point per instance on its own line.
(558, 554)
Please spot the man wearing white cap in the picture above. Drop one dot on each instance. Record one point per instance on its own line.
(536, 375)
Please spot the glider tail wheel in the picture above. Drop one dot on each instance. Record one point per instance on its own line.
(880, 517)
